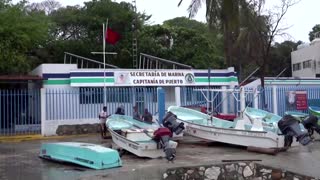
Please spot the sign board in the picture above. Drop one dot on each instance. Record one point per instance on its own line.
(297, 100)
(150, 77)
(154, 78)
(301, 100)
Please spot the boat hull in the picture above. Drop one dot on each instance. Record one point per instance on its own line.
(129, 134)
(215, 129)
(84, 154)
(147, 148)
(237, 137)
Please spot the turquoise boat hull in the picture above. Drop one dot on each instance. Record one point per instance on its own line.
(118, 122)
(266, 117)
(298, 115)
(84, 154)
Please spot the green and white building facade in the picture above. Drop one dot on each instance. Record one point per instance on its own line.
(71, 95)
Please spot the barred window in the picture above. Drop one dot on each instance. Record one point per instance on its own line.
(91, 95)
(119, 95)
(306, 64)
(296, 67)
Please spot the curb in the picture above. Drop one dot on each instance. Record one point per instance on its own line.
(21, 138)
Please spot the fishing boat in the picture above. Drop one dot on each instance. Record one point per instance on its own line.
(141, 138)
(314, 110)
(256, 128)
(298, 115)
(84, 154)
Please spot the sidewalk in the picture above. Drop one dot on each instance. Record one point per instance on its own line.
(21, 138)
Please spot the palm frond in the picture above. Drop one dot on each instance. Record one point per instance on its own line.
(194, 7)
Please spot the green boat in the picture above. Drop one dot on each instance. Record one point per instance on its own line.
(84, 154)
(298, 115)
(314, 110)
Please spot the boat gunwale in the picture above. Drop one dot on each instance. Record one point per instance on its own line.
(232, 129)
(136, 143)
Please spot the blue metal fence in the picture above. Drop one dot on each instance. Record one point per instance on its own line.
(86, 103)
(192, 97)
(20, 111)
(313, 95)
(196, 96)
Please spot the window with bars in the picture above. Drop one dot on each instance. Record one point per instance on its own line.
(306, 64)
(91, 95)
(296, 67)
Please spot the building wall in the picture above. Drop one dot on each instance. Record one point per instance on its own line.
(65, 85)
(310, 52)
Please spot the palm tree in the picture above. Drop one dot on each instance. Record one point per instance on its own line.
(224, 15)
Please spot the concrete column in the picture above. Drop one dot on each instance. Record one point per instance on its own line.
(43, 110)
(177, 96)
(242, 100)
(224, 100)
(256, 98)
(232, 101)
(274, 99)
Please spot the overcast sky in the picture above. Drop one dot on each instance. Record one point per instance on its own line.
(300, 18)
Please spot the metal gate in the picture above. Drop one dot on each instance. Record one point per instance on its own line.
(20, 111)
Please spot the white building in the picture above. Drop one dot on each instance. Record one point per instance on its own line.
(305, 61)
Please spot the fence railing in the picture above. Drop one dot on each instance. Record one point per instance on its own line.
(20, 111)
(86, 103)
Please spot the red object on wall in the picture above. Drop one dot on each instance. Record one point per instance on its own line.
(301, 100)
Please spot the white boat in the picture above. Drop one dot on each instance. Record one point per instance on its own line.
(243, 131)
(138, 137)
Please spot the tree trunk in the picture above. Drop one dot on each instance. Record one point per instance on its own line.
(227, 45)
(263, 94)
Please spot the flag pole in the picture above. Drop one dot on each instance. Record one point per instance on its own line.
(104, 31)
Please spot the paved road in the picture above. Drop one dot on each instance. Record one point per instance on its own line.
(20, 161)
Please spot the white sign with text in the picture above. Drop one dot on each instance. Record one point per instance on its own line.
(154, 78)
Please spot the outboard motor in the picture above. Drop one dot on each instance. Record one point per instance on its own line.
(290, 127)
(311, 124)
(170, 121)
(163, 136)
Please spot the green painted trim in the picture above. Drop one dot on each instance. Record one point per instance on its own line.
(291, 81)
(92, 80)
(57, 82)
(216, 79)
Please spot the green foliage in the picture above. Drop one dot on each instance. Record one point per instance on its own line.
(34, 34)
(184, 22)
(189, 46)
(281, 58)
(315, 29)
(21, 32)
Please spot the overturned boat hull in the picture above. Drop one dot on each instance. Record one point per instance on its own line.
(84, 154)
